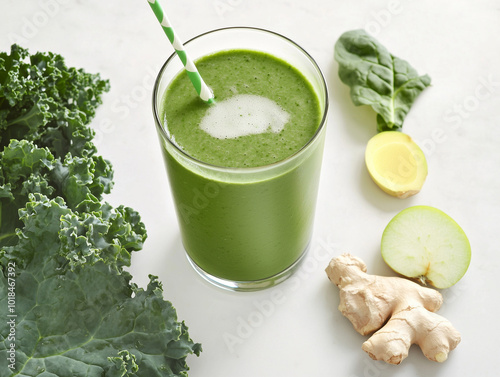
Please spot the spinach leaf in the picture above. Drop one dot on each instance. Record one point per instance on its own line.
(377, 78)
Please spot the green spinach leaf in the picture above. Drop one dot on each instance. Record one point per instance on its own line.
(377, 78)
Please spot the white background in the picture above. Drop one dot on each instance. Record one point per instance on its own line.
(295, 328)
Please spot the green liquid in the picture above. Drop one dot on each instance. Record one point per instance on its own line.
(242, 72)
(232, 226)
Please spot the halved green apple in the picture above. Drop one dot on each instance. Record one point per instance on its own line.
(424, 243)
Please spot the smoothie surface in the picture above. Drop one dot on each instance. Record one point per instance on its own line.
(265, 110)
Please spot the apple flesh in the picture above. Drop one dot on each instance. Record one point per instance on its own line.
(424, 243)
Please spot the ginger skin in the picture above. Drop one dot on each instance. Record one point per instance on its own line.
(402, 311)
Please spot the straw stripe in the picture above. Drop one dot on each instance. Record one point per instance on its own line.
(184, 59)
(201, 88)
(190, 66)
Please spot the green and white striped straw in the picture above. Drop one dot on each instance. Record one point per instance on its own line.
(201, 88)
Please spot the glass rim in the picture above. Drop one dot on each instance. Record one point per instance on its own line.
(316, 134)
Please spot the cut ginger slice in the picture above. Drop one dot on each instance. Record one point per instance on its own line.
(396, 163)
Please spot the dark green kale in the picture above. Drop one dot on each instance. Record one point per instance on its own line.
(71, 309)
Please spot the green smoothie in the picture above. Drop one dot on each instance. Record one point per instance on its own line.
(240, 221)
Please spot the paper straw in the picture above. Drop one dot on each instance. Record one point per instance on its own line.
(201, 88)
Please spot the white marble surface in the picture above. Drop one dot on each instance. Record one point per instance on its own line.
(295, 329)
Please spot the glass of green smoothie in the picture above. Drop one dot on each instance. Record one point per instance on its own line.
(243, 171)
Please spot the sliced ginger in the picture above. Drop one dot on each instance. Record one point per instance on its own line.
(396, 163)
(402, 311)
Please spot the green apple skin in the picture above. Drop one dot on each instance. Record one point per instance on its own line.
(424, 243)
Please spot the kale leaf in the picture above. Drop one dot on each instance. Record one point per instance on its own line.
(71, 309)
(43, 100)
(88, 320)
(377, 78)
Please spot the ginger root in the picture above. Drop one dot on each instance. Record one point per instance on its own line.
(402, 311)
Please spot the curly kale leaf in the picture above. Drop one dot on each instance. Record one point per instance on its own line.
(86, 321)
(94, 230)
(43, 100)
(109, 235)
(62, 247)
(377, 78)
(26, 168)
(23, 170)
(77, 177)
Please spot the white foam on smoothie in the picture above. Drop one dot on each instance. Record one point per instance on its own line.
(243, 114)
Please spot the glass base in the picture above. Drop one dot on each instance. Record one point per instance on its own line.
(251, 285)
